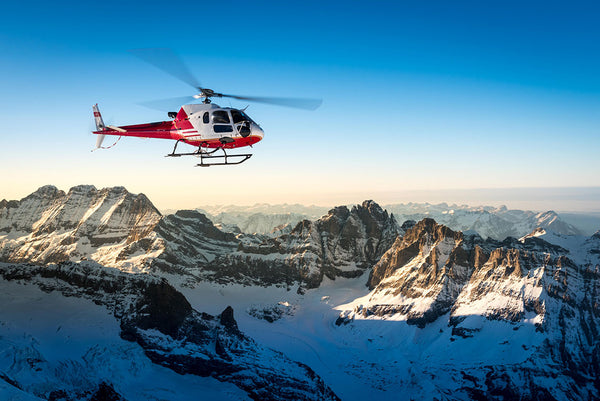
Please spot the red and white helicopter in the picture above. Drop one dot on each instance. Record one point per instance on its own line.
(206, 126)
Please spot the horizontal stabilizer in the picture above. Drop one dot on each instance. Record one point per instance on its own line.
(116, 128)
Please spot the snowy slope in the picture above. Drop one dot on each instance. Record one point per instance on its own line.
(77, 329)
(52, 344)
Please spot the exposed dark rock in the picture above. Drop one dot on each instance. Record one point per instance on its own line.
(106, 392)
(227, 320)
(162, 308)
(408, 224)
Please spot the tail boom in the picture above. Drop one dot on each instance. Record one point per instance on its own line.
(160, 130)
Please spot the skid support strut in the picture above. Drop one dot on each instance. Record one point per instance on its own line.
(226, 159)
(208, 158)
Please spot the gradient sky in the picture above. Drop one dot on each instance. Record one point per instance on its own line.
(418, 97)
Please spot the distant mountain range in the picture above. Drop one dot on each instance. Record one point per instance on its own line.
(105, 298)
(493, 222)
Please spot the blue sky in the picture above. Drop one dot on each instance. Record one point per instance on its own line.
(417, 96)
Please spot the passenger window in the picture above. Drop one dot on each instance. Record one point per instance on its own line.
(222, 128)
(205, 118)
(220, 117)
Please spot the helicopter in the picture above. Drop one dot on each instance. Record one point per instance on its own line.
(206, 126)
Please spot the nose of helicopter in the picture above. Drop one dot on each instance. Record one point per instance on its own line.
(257, 131)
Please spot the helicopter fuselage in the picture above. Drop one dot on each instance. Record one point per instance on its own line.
(200, 125)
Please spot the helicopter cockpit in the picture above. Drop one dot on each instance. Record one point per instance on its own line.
(224, 121)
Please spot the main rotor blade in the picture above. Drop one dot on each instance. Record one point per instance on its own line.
(170, 104)
(168, 61)
(298, 103)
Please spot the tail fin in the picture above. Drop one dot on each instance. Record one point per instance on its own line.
(99, 125)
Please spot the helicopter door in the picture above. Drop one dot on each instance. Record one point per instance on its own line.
(221, 122)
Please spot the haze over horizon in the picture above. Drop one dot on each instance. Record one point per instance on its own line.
(575, 200)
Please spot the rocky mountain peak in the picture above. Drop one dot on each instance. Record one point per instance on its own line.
(6, 204)
(407, 225)
(430, 231)
(362, 234)
(192, 224)
(302, 228)
(340, 212)
(432, 271)
(374, 210)
(82, 189)
(227, 320)
(425, 244)
(549, 214)
(46, 192)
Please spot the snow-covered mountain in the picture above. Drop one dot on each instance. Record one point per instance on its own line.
(259, 223)
(311, 211)
(52, 226)
(261, 218)
(516, 318)
(493, 222)
(349, 305)
(118, 229)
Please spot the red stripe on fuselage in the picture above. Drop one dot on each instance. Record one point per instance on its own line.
(237, 142)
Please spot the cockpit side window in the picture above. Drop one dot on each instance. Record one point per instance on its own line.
(220, 117)
(205, 119)
(237, 116)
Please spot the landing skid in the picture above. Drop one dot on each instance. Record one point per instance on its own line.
(206, 157)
